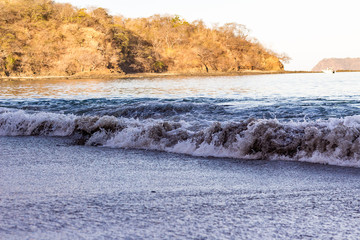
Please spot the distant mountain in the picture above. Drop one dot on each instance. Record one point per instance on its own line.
(338, 64)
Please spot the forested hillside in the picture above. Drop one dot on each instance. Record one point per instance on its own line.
(39, 37)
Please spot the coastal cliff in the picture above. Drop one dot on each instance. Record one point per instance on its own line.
(39, 37)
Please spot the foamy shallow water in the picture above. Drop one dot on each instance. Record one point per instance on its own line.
(181, 158)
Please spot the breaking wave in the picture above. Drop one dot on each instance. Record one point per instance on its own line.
(335, 141)
(193, 108)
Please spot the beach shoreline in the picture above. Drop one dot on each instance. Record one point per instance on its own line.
(147, 75)
(150, 158)
(113, 76)
(140, 194)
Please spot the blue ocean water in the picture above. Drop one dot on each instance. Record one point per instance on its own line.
(299, 117)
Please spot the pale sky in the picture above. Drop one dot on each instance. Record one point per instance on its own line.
(306, 30)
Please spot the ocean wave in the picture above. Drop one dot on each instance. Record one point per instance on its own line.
(190, 109)
(169, 109)
(335, 141)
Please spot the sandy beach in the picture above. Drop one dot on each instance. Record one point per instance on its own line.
(100, 193)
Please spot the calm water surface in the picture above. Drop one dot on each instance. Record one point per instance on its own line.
(277, 85)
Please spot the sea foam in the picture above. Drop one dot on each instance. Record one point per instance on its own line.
(334, 141)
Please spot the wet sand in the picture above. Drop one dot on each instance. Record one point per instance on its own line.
(52, 189)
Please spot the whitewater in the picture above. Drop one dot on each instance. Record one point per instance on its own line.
(273, 156)
(313, 118)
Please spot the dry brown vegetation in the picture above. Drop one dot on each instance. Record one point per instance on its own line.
(39, 37)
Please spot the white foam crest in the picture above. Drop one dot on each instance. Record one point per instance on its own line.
(334, 141)
(149, 134)
(19, 123)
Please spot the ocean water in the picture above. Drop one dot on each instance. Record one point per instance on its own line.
(185, 158)
(297, 117)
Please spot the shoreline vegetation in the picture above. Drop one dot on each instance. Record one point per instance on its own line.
(44, 39)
